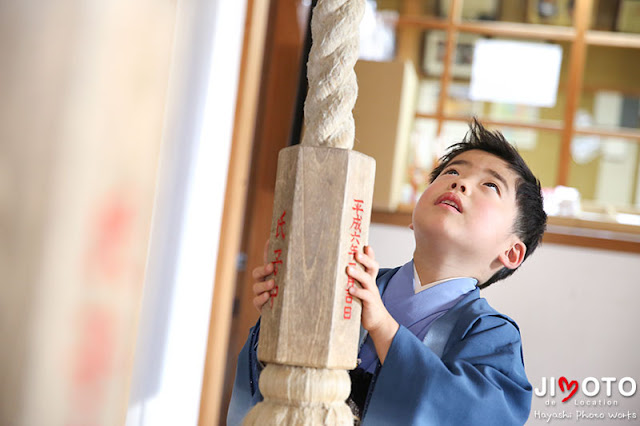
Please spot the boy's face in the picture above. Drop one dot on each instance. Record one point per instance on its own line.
(470, 207)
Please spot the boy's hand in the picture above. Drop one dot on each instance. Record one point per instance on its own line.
(262, 286)
(375, 317)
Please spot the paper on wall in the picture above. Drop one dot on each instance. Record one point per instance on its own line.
(516, 72)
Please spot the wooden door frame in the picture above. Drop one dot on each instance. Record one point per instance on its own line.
(267, 97)
(257, 12)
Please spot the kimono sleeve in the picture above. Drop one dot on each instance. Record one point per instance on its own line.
(480, 380)
(246, 393)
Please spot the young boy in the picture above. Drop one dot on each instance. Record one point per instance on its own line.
(436, 353)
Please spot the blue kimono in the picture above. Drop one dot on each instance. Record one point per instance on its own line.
(468, 370)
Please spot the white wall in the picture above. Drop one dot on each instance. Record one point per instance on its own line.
(171, 346)
(577, 309)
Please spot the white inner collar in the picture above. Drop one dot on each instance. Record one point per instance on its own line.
(418, 286)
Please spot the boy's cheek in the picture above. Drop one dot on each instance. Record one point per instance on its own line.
(490, 226)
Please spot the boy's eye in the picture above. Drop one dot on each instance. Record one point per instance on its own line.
(450, 172)
(493, 186)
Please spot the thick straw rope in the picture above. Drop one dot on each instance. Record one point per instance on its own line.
(333, 87)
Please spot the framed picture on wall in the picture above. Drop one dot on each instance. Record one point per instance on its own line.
(435, 46)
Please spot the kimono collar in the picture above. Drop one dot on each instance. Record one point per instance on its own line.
(418, 286)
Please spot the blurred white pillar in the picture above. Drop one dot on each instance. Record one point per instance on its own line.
(83, 105)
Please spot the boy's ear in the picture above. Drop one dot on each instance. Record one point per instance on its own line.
(514, 255)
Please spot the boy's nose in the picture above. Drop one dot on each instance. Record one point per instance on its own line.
(454, 185)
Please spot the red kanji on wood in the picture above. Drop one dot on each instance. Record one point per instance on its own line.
(273, 294)
(358, 209)
(355, 233)
(280, 226)
(277, 262)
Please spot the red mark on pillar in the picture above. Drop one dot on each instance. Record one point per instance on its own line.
(278, 263)
(358, 210)
(111, 234)
(274, 291)
(355, 232)
(280, 226)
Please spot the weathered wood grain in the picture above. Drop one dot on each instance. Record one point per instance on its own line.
(322, 209)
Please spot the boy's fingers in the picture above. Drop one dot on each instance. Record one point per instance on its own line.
(360, 293)
(267, 269)
(361, 276)
(368, 262)
(257, 273)
(369, 251)
(260, 300)
(262, 287)
(261, 272)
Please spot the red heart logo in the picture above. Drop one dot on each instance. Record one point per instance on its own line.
(573, 384)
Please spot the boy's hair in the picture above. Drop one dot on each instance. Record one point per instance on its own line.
(531, 220)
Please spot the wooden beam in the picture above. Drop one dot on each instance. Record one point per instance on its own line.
(591, 242)
(397, 218)
(502, 29)
(594, 227)
(277, 80)
(408, 37)
(234, 205)
(547, 125)
(611, 39)
(624, 90)
(581, 17)
(632, 134)
(453, 19)
(518, 30)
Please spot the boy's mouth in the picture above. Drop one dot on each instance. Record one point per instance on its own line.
(450, 199)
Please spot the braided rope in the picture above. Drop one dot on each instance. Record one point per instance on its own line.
(333, 87)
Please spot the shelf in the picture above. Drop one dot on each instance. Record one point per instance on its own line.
(575, 41)
(523, 30)
(632, 134)
(495, 28)
(611, 39)
(539, 125)
(569, 231)
(546, 125)
(590, 88)
(515, 29)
